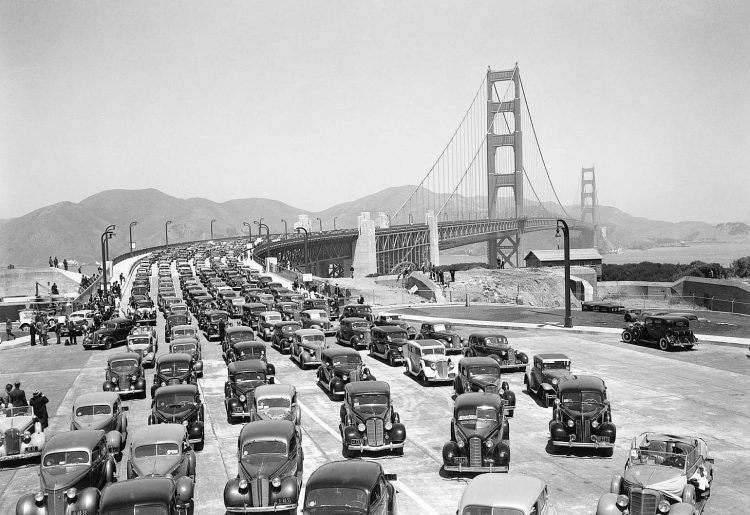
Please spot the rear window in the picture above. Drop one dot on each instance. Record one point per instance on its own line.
(96, 409)
(57, 459)
(159, 449)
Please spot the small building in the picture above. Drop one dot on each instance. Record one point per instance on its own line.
(578, 257)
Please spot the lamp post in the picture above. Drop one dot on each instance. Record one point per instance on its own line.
(166, 231)
(249, 229)
(334, 222)
(268, 231)
(106, 235)
(306, 256)
(320, 222)
(285, 229)
(561, 224)
(212, 228)
(411, 219)
(258, 223)
(131, 234)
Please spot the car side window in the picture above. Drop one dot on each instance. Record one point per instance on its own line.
(96, 453)
(376, 494)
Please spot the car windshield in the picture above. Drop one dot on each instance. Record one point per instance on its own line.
(249, 379)
(143, 304)
(137, 509)
(216, 317)
(360, 325)
(252, 353)
(175, 401)
(313, 338)
(238, 301)
(289, 328)
(273, 318)
(123, 365)
(21, 411)
(109, 326)
(274, 402)
(495, 340)
(477, 418)
(489, 510)
(139, 341)
(241, 336)
(157, 449)
(484, 370)
(371, 403)
(184, 332)
(556, 365)
(318, 304)
(441, 328)
(680, 323)
(177, 320)
(391, 318)
(433, 350)
(260, 451)
(347, 361)
(397, 335)
(57, 459)
(187, 348)
(95, 409)
(362, 310)
(352, 498)
(316, 315)
(175, 368)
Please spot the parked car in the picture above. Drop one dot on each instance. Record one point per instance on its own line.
(266, 322)
(283, 335)
(355, 332)
(664, 474)
(602, 306)
(307, 347)
(386, 319)
(426, 360)
(388, 342)
(548, 371)
(444, 333)
(368, 420)
(113, 332)
(308, 304)
(188, 345)
(358, 311)
(483, 375)
(633, 314)
(173, 321)
(244, 351)
(270, 468)
(173, 369)
(74, 466)
(211, 319)
(161, 450)
(185, 331)
(80, 319)
(340, 366)
(21, 434)
(158, 495)
(105, 411)
(250, 312)
(243, 377)
(480, 435)
(180, 404)
(124, 374)
(353, 486)
(512, 494)
(144, 311)
(288, 310)
(667, 331)
(276, 402)
(496, 346)
(318, 319)
(233, 306)
(234, 335)
(143, 343)
(582, 416)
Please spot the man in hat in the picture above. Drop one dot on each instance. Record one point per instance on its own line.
(39, 403)
(5, 397)
(17, 396)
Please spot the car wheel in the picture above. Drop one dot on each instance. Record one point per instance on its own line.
(422, 378)
(24, 327)
(543, 395)
(107, 344)
(391, 361)
(627, 337)
(663, 344)
(199, 446)
(345, 452)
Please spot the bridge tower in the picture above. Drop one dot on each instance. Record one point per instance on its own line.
(589, 201)
(506, 248)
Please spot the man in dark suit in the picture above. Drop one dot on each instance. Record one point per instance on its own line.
(39, 403)
(18, 396)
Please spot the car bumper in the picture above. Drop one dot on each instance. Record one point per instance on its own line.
(596, 444)
(195, 440)
(261, 509)
(20, 456)
(514, 366)
(241, 414)
(435, 379)
(466, 468)
(385, 447)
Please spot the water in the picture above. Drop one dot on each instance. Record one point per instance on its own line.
(722, 253)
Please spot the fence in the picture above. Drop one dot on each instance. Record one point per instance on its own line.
(673, 302)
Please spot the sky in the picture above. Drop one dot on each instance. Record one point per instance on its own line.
(319, 102)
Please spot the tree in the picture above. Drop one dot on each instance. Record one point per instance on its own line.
(741, 267)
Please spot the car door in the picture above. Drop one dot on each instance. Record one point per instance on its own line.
(378, 501)
(98, 459)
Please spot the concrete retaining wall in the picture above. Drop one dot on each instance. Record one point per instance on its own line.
(21, 282)
(716, 294)
(426, 287)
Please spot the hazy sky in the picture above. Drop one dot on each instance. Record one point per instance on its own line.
(317, 102)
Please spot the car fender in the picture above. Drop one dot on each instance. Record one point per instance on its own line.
(87, 501)
(107, 386)
(234, 497)
(349, 432)
(192, 463)
(615, 486)
(398, 433)
(548, 389)
(184, 487)
(682, 508)
(26, 505)
(608, 505)
(114, 441)
(450, 451)
(196, 429)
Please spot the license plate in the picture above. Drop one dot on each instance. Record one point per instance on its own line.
(461, 460)
(355, 441)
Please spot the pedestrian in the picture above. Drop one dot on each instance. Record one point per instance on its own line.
(222, 329)
(65, 263)
(122, 278)
(39, 403)
(50, 261)
(453, 275)
(56, 262)
(17, 396)
(54, 289)
(361, 299)
(41, 330)
(58, 329)
(72, 332)
(5, 396)
(79, 270)
(9, 329)
(32, 333)
(351, 271)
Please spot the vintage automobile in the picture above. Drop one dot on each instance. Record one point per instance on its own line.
(185, 331)
(276, 402)
(444, 333)
(318, 319)
(150, 495)
(355, 332)
(667, 331)
(144, 311)
(368, 420)
(664, 474)
(582, 416)
(316, 304)
(180, 404)
(21, 434)
(266, 322)
(358, 311)
(388, 342)
(496, 346)
(546, 374)
(283, 335)
(511, 494)
(483, 375)
(602, 306)
(426, 360)
(340, 366)
(633, 314)
(188, 345)
(74, 466)
(143, 343)
(307, 347)
(112, 332)
(480, 435)
(389, 319)
(269, 473)
(200, 303)
(105, 411)
(255, 350)
(352, 486)
(125, 375)
(288, 310)
(211, 319)
(243, 377)
(80, 319)
(234, 335)
(173, 369)
(690, 316)
(233, 306)
(250, 312)
(173, 321)
(161, 450)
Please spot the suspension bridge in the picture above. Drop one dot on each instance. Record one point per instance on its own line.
(490, 183)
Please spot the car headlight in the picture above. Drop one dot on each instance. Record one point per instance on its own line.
(663, 506)
(276, 482)
(115, 379)
(163, 383)
(185, 423)
(488, 444)
(243, 484)
(594, 424)
(555, 380)
(450, 364)
(39, 497)
(242, 398)
(345, 377)
(361, 427)
(71, 494)
(460, 443)
(433, 366)
(134, 377)
(388, 426)
(622, 501)
(571, 423)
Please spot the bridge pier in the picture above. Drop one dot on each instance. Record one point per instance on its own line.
(365, 255)
(434, 237)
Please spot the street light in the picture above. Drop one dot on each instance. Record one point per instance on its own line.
(561, 224)
(258, 223)
(285, 231)
(166, 231)
(268, 232)
(321, 223)
(106, 235)
(212, 228)
(334, 222)
(131, 234)
(306, 256)
(249, 229)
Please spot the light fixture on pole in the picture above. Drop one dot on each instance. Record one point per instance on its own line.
(321, 223)
(305, 246)
(212, 228)
(249, 229)
(285, 228)
(166, 231)
(561, 224)
(131, 235)
(106, 235)
(334, 222)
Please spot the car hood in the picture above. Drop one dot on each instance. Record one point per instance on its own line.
(156, 465)
(20, 423)
(668, 480)
(268, 467)
(92, 421)
(486, 379)
(561, 375)
(64, 476)
(275, 414)
(483, 433)
(434, 358)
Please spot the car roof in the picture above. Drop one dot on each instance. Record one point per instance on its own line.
(216, 312)
(316, 310)
(287, 322)
(426, 343)
(254, 305)
(123, 355)
(185, 326)
(358, 387)
(119, 320)
(157, 433)
(89, 399)
(283, 429)
(173, 357)
(269, 312)
(357, 306)
(308, 332)
(477, 360)
(345, 474)
(87, 438)
(248, 365)
(552, 356)
(486, 334)
(503, 490)
(332, 352)
(274, 390)
(389, 329)
(246, 344)
(183, 340)
(239, 329)
(577, 383)
(668, 317)
(663, 437)
(467, 400)
(146, 490)
(176, 388)
(354, 319)
(435, 322)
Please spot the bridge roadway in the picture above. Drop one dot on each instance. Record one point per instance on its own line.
(648, 389)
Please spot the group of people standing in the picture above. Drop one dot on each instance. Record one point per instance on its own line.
(16, 398)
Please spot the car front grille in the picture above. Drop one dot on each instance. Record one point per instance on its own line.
(260, 489)
(475, 451)
(491, 388)
(583, 431)
(442, 369)
(375, 431)
(12, 441)
(643, 502)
